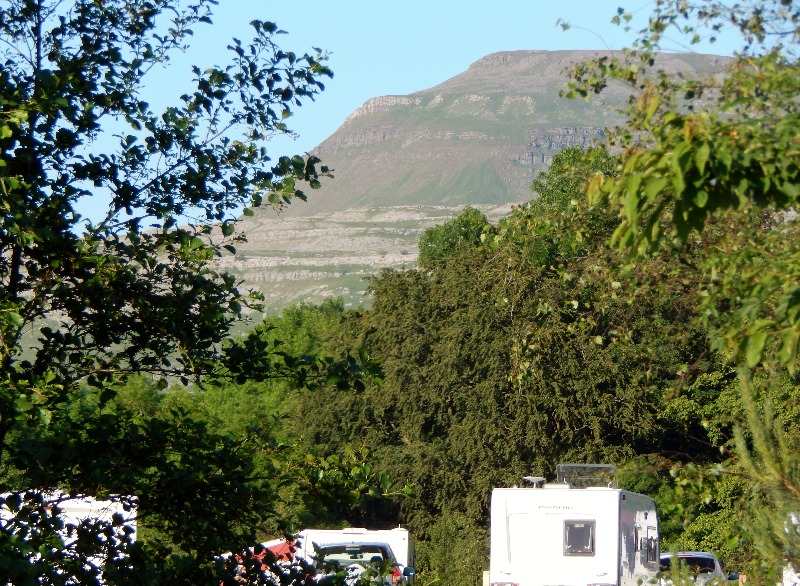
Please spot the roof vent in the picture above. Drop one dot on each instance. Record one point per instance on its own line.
(586, 475)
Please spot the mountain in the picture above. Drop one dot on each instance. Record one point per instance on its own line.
(404, 163)
(478, 137)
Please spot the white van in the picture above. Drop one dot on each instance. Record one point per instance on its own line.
(356, 545)
(558, 535)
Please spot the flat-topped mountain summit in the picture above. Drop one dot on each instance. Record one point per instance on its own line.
(477, 138)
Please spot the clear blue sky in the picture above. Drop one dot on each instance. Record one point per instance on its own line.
(398, 47)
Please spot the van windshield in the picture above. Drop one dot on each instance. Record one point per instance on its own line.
(344, 555)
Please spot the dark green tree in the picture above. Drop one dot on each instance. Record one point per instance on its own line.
(441, 242)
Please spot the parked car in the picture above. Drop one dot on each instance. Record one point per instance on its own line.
(384, 557)
(358, 559)
(702, 565)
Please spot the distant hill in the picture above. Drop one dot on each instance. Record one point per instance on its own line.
(478, 137)
(404, 163)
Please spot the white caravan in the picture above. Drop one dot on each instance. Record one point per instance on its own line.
(562, 536)
(76, 510)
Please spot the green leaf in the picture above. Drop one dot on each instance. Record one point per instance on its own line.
(632, 196)
(23, 403)
(654, 187)
(653, 104)
(678, 182)
(788, 346)
(755, 348)
(700, 198)
(701, 157)
(15, 319)
(791, 190)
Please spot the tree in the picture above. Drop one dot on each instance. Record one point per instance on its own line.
(85, 302)
(700, 156)
(539, 344)
(697, 148)
(441, 242)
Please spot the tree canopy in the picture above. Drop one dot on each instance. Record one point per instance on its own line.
(702, 156)
(540, 343)
(86, 301)
(641, 309)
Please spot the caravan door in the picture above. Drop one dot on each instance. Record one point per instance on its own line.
(639, 559)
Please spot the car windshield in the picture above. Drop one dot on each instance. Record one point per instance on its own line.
(344, 555)
(696, 564)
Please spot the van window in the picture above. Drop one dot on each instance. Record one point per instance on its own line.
(579, 537)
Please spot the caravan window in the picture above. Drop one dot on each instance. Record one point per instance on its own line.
(578, 537)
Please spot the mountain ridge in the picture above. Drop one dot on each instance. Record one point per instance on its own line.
(472, 138)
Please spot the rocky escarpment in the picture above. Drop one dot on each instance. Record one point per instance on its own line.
(311, 258)
(546, 143)
(382, 104)
(477, 138)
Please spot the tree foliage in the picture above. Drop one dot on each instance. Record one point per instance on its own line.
(537, 345)
(86, 301)
(439, 243)
(704, 155)
(697, 148)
